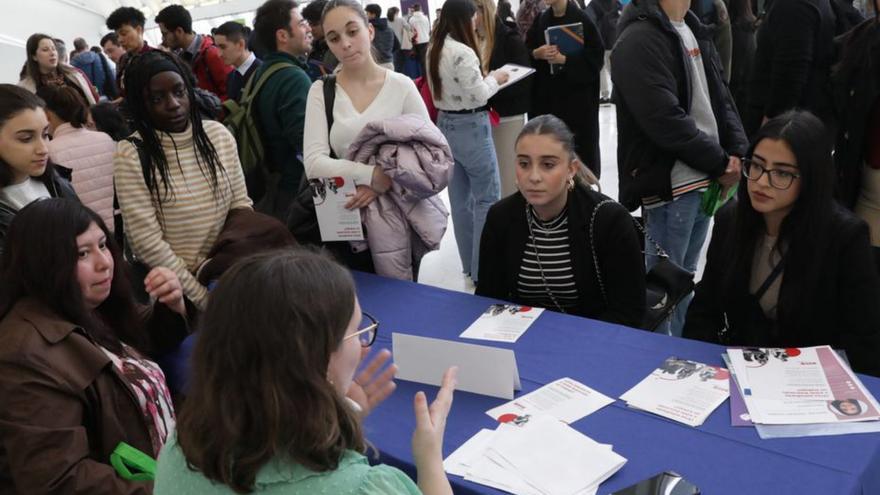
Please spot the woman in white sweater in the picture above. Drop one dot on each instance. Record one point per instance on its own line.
(365, 92)
(461, 92)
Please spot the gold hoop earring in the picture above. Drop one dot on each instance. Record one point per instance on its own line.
(571, 183)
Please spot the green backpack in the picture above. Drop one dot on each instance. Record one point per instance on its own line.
(242, 123)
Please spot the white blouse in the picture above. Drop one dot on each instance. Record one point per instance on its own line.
(398, 96)
(464, 87)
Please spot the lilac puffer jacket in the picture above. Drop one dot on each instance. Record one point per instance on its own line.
(409, 220)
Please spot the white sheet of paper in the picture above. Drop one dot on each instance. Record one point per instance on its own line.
(334, 221)
(681, 390)
(565, 399)
(553, 457)
(517, 73)
(468, 453)
(481, 369)
(502, 323)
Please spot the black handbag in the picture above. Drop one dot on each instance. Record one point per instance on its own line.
(666, 283)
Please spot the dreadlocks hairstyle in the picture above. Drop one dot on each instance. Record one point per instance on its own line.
(140, 71)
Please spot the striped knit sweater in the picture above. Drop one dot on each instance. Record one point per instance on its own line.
(192, 214)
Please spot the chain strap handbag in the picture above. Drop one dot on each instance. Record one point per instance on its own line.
(666, 283)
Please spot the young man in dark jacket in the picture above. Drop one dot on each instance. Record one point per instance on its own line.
(197, 50)
(792, 63)
(280, 106)
(678, 129)
(384, 40)
(232, 40)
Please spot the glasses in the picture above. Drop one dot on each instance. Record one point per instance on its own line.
(779, 179)
(369, 328)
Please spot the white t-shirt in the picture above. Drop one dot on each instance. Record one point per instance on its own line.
(421, 26)
(685, 178)
(398, 96)
(20, 195)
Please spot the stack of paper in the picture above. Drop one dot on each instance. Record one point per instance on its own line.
(797, 386)
(681, 390)
(541, 456)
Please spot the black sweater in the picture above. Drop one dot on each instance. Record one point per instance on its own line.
(793, 62)
(617, 244)
(510, 49)
(842, 312)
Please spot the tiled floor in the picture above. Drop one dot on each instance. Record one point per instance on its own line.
(442, 268)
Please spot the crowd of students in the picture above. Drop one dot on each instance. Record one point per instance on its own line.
(124, 185)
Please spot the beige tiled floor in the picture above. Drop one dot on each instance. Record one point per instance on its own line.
(442, 268)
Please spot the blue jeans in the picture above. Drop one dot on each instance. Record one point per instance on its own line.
(680, 228)
(475, 184)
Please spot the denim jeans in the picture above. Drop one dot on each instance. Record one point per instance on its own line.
(680, 228)
(475, 184)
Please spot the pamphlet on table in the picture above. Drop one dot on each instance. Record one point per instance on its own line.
(537, 456)
(565, 399)
(335, 222)
(502, 323)
(681, 390)
(481, 369)
(804, 385)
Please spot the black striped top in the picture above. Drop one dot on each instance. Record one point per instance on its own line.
(554, 254)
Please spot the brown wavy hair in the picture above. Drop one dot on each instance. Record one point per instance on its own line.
(259, 387)
(456, 21)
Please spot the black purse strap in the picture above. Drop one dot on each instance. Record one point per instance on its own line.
(777, 271)
(329, 101)
(593, 247)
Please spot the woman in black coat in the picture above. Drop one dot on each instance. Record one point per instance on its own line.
(537, 247)
(572, 92)
(787, 266)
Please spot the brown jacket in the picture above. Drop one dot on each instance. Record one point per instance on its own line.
(64, 407)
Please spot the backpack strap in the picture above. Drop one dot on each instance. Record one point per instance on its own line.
(252, 88)
(329, 100)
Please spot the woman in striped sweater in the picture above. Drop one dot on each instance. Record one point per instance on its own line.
(537, 245)
(177, 177)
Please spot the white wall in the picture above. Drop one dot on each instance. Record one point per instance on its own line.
(22, 18)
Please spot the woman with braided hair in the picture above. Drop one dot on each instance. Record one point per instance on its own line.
(177, 176)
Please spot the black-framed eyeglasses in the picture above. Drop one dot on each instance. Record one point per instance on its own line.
(779, 179)
(369, 329)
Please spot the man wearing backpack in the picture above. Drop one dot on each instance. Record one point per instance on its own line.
(278, 107)
(199, 51)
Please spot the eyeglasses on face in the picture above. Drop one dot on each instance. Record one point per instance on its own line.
(778, 178)
(368, 330)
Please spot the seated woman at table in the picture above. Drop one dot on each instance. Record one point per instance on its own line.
(538, 247)
(787, 266)
(277, 352)
(74, 377)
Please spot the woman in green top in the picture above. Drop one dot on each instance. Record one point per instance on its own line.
(273, 407)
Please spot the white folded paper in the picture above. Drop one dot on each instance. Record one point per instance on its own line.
(541, 456)
(335, 222)
(565, 399)
(681, 390)
(481, 369)
(502, 323)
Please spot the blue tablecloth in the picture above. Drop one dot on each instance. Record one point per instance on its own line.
(717, 457)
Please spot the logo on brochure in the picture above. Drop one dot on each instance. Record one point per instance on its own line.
(514, 419)
(757, 357)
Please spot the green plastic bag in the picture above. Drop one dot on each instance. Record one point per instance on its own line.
(712, 201)
(132, 464)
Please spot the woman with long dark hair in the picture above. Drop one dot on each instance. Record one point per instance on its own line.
(26, 173)
(273, 403)
(177, 177)
(461, 90)
(75, 379)
(539, 243)
(787, 266)
(44, 68)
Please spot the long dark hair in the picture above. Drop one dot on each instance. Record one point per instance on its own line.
(40, 261)
(804, 232)
(456, 21)
(32, 67)
(14, 100)
(264, 346)
(140, 71)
